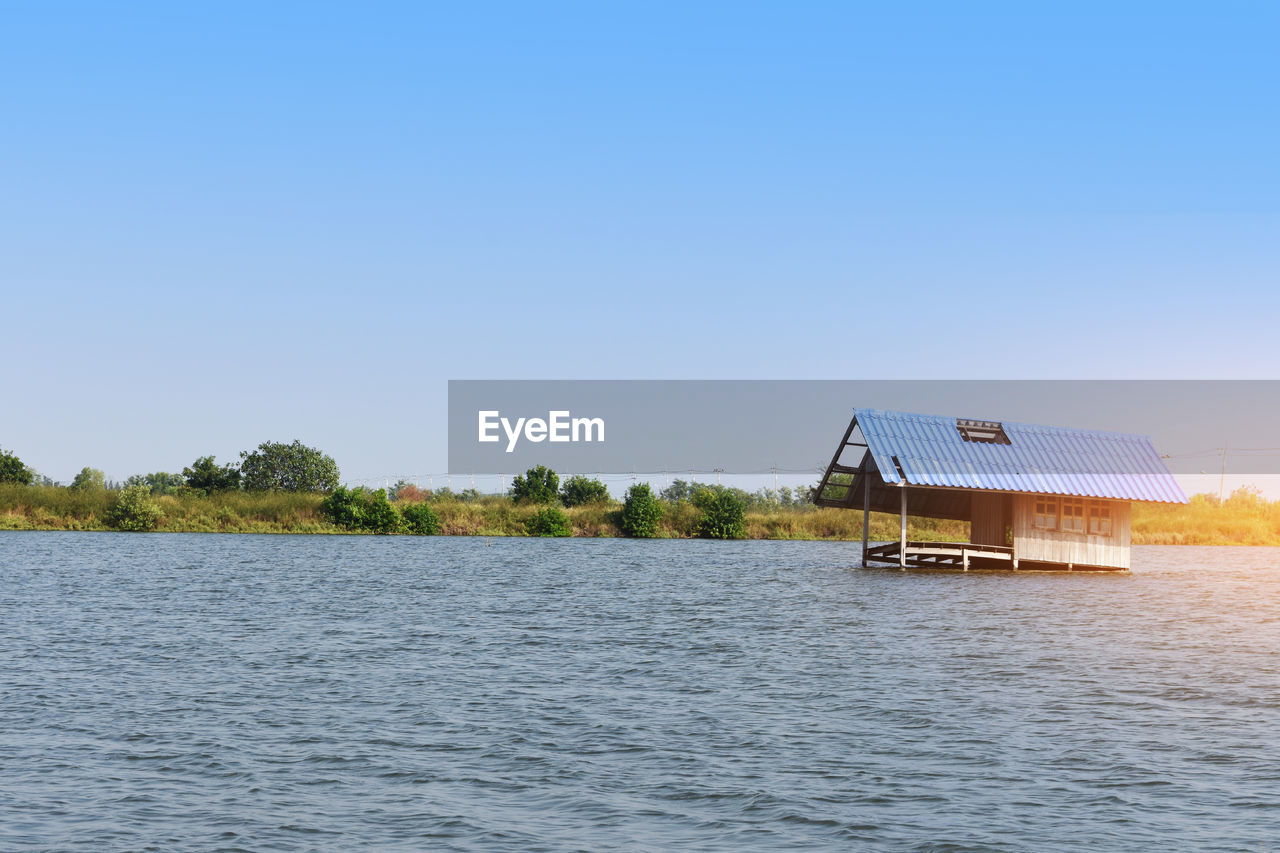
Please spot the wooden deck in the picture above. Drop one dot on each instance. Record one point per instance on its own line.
(941, 555)
(966, 556)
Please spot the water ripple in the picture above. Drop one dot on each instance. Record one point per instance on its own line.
(187, 692)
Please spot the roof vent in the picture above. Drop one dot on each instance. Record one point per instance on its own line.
(982, 432)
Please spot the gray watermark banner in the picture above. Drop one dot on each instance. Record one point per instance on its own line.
(758, 426)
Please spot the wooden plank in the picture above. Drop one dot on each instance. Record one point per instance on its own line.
(958, 553)
(957, 546)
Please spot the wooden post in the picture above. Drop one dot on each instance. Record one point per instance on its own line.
(866, 509)
(964, 555)
(902, 532)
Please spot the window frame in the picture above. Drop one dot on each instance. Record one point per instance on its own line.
(1100, 510)
(1077, 518)
(982, 432)
(1047, 507)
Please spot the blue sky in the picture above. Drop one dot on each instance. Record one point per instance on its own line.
(226, 223)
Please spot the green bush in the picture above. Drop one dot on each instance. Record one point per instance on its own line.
(581, 490)
(548, 521)
(538, 485)
(723, 513)
(134, 510)
(379, 515)
(359, 509)
(13, 471)
(344, 507)
(421, 519)
(640, 512)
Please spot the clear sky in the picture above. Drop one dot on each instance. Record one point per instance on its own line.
(227, 223)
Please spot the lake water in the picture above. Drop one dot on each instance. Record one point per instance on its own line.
(206, 692)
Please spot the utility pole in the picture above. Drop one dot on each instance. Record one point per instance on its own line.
(1222, 478)
(719, 471)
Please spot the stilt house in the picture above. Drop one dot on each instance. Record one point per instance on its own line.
(1036, 497)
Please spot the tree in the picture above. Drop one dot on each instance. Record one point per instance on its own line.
(89, 480)
(723, 513)
(537, 485)
(641, 512)
(580, 490)
(207, 476)
(159, 483)
(678, 491)
(13, 471)
(275, 467)
(134, 510)
(403, 490)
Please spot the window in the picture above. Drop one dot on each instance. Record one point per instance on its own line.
(1099, 519)
(1073, 515)
(983, 432)
(1046, 514)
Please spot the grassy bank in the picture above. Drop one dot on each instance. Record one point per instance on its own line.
(58, 508)
(1244, 519)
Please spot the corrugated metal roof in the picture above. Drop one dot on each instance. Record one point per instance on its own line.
(929, 451)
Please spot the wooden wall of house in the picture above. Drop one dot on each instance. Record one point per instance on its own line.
(1057, 546)
(990, 515)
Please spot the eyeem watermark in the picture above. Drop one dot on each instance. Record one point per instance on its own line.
(559, 426)
(752, 426)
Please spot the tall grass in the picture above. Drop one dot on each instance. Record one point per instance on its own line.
(57, 508)
(1243, 519)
